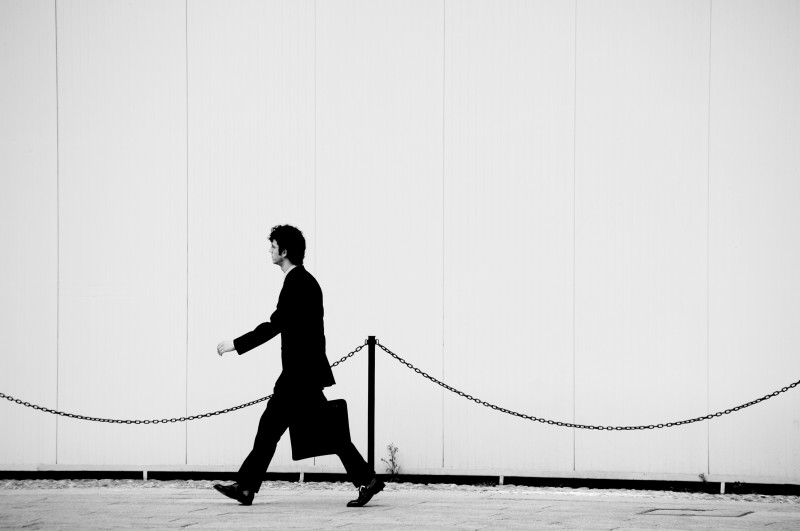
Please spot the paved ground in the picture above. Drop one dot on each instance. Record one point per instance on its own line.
(109, 504)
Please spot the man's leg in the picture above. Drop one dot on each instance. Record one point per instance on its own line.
(270, 428)
(273, 424)
(359, 472)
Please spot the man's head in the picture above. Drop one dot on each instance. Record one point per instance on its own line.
(287, 243)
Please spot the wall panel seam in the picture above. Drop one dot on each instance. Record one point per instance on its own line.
(58, 229)
(708, 245)
(186, 57)
(574, 226)
(444, 102)
(316, 234)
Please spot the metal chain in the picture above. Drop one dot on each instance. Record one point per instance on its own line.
(583, 426)
(160, 421)
(350, 354)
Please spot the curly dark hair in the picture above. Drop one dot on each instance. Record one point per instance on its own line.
(291, 240)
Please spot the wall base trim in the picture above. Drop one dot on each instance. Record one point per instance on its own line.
(311, 472)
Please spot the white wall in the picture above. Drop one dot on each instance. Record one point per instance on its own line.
(122, 228)
(582, 211)
(508, 217)
(641, 155)
(29, 228)
(754, 250)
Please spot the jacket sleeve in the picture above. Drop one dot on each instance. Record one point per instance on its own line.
(265, 331)
(280, 320)
(260, 335)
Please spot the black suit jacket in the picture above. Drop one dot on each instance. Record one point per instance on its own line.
(299, 320)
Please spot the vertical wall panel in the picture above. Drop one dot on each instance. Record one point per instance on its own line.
(28, 237)
(379, 200)
(755, 250)
(122, 126)
(251, 166)
(508, 231)
(641, 224)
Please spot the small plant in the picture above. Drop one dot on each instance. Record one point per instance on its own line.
(703, 477)
(393, 464)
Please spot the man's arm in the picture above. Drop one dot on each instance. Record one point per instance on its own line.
(263, 332)
(260, 335)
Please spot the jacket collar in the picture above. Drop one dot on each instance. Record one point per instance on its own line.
(294, 268)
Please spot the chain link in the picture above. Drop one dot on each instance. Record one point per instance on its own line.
(350, 354)
(428, 377)
(161, 421)
(582, 426)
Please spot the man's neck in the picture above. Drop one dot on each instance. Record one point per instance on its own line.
(287, 266)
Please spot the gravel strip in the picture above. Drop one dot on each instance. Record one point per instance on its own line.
(45, 484)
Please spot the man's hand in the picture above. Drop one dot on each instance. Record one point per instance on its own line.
(225, 346)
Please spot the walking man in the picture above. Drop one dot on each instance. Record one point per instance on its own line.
(298, 318)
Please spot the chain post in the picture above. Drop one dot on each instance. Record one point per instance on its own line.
(371, 403)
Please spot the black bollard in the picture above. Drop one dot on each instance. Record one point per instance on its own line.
(371, 404)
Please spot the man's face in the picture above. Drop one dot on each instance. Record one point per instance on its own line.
(277, 256)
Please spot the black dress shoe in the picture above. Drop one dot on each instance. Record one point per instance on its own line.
(245, 497)
(366, 492)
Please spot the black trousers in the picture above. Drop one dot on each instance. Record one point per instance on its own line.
(282, 409)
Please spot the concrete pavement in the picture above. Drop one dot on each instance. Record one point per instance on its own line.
(281, 505)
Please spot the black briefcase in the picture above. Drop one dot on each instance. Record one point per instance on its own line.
(321, 431)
